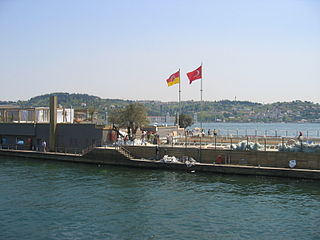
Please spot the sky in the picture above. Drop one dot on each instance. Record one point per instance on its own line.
(251, 50)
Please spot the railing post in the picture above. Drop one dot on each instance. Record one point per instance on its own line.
(186, 139)
(247, 143)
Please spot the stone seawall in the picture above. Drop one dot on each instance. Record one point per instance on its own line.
(97, 156)
(110, 156)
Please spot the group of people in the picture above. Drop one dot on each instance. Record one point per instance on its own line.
(151, 137)
(213, 132)
(202, 132)
(169, 139)
(146, 137)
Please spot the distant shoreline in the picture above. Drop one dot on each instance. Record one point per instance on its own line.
(233, 111)
(307, 122)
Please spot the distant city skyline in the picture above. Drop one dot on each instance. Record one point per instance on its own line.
(258, 51)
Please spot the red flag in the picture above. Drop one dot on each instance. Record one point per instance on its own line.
(194, 75)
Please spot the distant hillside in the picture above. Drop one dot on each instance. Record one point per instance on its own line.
(8, 103)
(221, 111)
(65, 99)
(74, 100)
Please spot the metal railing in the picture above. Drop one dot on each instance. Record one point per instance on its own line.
(124, 151)
(269, 132)
(88, 149)
(270, 143)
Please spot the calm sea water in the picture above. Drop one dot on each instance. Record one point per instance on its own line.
(54, 200)
(264, 129)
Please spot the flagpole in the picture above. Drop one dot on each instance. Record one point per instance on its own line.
(178, 117)
(201, 90)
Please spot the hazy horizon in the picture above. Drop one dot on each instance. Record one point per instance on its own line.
(257, 51)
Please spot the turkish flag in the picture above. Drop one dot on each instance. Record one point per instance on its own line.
(194, 75)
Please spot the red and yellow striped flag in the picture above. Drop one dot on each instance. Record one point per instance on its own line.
(173, 79)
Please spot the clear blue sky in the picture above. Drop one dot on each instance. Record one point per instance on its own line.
(263, 51)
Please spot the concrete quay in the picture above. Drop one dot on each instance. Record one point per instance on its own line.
(112, 156)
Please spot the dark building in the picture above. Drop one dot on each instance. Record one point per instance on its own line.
(26, 132)
(69, 137)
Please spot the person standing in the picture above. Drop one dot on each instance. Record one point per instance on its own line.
(168, 139)
(300, 136)
(44, 146)
(214, 132)
(126, 138)
(300, 140)
(143, 136)
(157, 152)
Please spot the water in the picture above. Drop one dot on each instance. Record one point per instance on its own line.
(55, 200)
(264, 129)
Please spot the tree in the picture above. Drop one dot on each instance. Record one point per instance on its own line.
(132, 117)
(114, 116)
(91, 111)
(185, 120)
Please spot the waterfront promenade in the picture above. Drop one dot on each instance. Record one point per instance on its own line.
(270, 143)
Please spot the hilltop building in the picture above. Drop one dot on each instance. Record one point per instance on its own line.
(34, 115)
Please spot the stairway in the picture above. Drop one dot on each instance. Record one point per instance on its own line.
(124, 152)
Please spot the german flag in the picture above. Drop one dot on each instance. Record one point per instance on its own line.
(174, 79)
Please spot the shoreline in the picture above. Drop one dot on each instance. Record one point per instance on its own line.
(111, 156)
